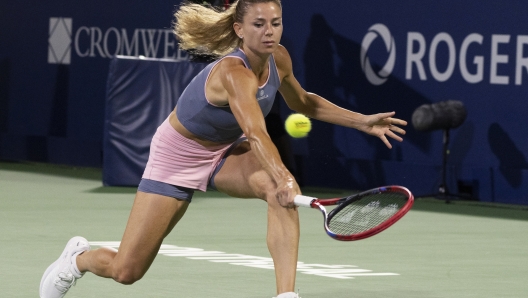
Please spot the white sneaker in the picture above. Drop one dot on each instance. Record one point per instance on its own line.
(288, 295)
(63, 273)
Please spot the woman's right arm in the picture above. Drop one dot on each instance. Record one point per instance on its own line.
(242, 86)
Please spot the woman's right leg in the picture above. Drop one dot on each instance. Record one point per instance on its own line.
(152, 218)
(242, 176)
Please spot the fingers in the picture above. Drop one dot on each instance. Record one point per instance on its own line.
(286, 191)
(286, 201)
(388, 127)
(391, 132)
(386, 115)
(397, 129)
(290, 206)
(396, 121)
(287, 205)
(387, 143)
(392, 123)
(394, 136)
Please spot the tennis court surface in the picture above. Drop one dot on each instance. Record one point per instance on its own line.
(461, 249)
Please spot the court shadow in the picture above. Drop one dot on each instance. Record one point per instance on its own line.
(113, 190)
(375, 293)
(52, 169)
(472, 208)
(461, 143)
(5, 69)
(37, 148)
(333, 70)
(58, 126)
(197, 197)
(512, 160)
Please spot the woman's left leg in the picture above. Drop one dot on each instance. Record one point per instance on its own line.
(242, 176)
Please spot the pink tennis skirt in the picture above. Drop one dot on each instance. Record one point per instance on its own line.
(177, 160)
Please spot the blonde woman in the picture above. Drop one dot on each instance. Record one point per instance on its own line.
(216, 137)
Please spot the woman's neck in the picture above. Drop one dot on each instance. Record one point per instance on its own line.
(258, 63)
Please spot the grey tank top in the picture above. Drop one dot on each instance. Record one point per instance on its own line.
(217, 123)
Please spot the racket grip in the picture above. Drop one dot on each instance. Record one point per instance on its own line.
(303, 201)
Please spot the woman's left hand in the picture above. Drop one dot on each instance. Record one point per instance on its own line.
(383, 125)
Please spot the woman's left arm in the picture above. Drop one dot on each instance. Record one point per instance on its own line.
(382, 125)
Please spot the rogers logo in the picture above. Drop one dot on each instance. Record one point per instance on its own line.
(381, 76)
(502, 57)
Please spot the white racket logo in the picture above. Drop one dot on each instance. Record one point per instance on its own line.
(389, 210)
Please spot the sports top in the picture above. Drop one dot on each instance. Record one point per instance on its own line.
(217, 123)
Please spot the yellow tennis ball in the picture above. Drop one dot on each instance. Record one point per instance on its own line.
(298, 125)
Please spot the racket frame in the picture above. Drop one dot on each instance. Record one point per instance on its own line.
(306, 201)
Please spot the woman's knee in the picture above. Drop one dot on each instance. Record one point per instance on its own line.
(127, 274)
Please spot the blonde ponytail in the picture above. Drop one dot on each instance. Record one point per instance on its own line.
(206, 30)
(209, 31)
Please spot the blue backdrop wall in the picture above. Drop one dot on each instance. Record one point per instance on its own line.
(369, 56)
(54, 60)
(475, 52)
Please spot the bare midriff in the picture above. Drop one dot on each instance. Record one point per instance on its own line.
(176, 124)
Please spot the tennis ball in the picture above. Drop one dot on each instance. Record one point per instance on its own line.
(298, 125)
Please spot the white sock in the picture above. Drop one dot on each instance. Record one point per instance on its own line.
(288, 295)
(76, 272)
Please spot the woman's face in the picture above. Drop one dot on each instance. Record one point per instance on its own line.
(261, 29)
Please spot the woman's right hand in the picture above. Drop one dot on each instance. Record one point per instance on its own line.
(287, 189)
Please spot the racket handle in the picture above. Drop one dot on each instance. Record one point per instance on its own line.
(303, 201)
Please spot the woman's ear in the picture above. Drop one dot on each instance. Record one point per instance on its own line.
(238, 30)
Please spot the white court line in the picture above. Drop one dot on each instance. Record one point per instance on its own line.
(333, 271)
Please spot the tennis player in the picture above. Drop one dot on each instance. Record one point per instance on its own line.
(216, 137)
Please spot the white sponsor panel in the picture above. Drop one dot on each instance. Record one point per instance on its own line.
(92, 42)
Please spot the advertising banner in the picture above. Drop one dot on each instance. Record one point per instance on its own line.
(367, 56)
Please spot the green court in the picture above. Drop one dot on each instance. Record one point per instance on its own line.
(462, 249)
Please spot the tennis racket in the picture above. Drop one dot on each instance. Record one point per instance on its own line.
(361, 215)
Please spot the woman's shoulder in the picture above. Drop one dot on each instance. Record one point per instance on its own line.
(228, 63)
(283, 59)
(281, 55)
(232, 66)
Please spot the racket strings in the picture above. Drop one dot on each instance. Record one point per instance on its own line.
(366, 213)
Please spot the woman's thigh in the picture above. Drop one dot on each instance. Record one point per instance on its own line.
(242, 176)
(151, 219)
